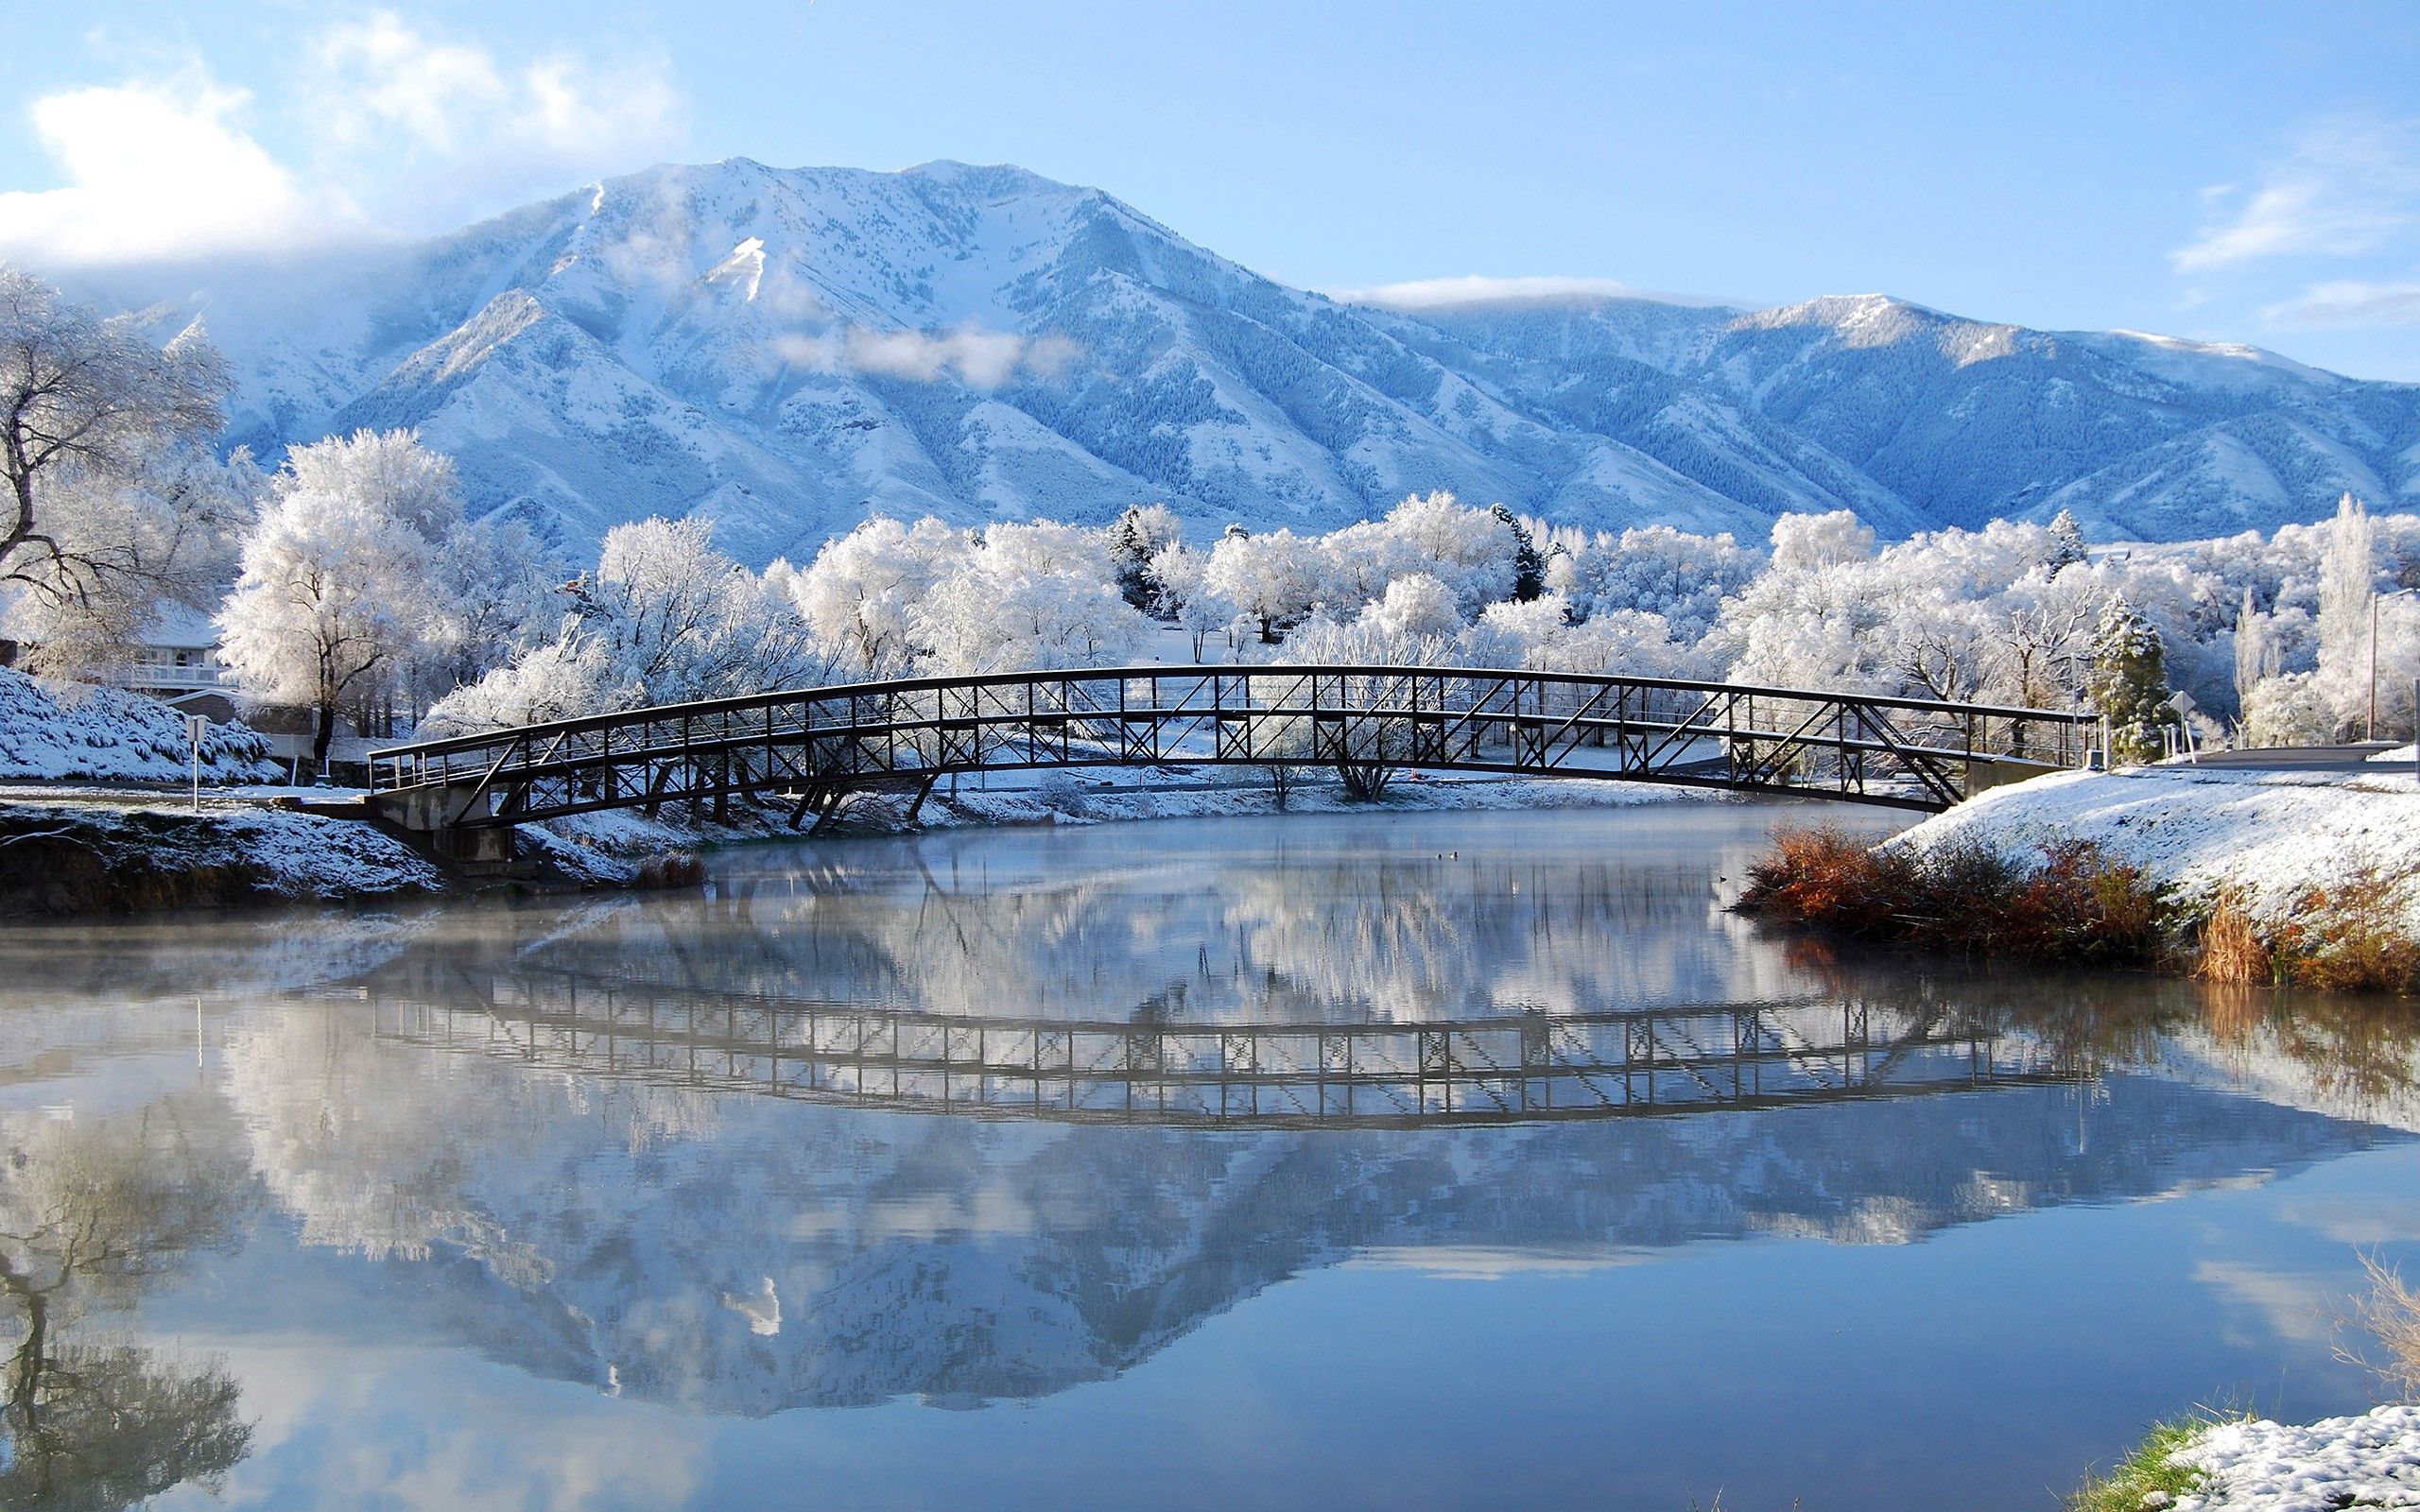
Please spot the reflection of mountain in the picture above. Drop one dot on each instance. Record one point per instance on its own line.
(747, 1254)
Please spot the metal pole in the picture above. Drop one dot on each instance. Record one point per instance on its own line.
(2373, 731)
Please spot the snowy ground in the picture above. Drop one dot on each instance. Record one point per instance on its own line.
(2372, 1460)
(1086, 798)
(2273, 836)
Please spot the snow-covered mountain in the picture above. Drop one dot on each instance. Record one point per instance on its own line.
(791, 349)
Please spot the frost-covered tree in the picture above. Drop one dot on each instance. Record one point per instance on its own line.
(338, 593)
(1272, 579)
(2349, 578)
(1030, 596)
(861, 591)
(497, 587)
(174, 526)
(1809, 542)
(2045, 639)
(113, 498)
(1366, 752)
(2129, 682)
(681, 621)
(1474, 552)
(1415, 608)
(1185, 597)
(665, 618)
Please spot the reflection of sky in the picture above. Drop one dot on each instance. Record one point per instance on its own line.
(478, 1284)
(1991, 1359)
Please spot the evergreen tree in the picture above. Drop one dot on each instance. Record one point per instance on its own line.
(2069, 549)
(1130, 557)
(1135, 537)
(2129, 682)
(1529, 566)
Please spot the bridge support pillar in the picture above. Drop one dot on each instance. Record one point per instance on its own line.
(432, 817)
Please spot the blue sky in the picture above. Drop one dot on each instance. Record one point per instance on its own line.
(2229, 172)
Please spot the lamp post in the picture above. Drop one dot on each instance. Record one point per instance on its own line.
(2375, 599)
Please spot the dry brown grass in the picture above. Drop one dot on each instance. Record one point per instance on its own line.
(678, 869)
(2078, 905)
(2353, 938)
(2233, 949)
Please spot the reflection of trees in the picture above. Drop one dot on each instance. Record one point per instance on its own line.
(103, 1426)
(1328, 921)
(91, 1212)
(2348, 1057)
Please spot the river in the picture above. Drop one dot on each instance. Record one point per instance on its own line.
(1389, 1159)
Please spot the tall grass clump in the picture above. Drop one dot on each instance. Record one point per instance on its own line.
(2391, 1313)
(2233, 949)
(2076, 904)
(2145, 1480)
(2351, 937)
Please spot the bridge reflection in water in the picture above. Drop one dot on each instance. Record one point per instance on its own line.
(1516, 1067)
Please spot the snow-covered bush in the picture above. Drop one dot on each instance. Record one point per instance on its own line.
(2291, 709)
(72, 729)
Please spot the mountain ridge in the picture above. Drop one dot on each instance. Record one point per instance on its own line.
(792, 350)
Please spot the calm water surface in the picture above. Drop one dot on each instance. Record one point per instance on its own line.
(1387, 1161)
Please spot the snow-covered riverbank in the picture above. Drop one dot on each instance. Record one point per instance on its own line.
(98, 848)
(2369, 1460)
(77, 857)
(2270, 838)
(68, 731)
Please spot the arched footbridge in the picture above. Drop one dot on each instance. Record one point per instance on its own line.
(817, 746)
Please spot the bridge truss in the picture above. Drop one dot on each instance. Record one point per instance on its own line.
(818, 745)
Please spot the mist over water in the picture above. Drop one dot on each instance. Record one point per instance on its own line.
(1389, 1159)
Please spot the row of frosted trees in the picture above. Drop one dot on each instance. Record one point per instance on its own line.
(350, 581)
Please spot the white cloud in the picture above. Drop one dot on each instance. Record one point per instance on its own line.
(2349, 301)
(2347, 188)
(984, 359)
(394, 131)
(1474, 288)
(382, 87)
(158, 169)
